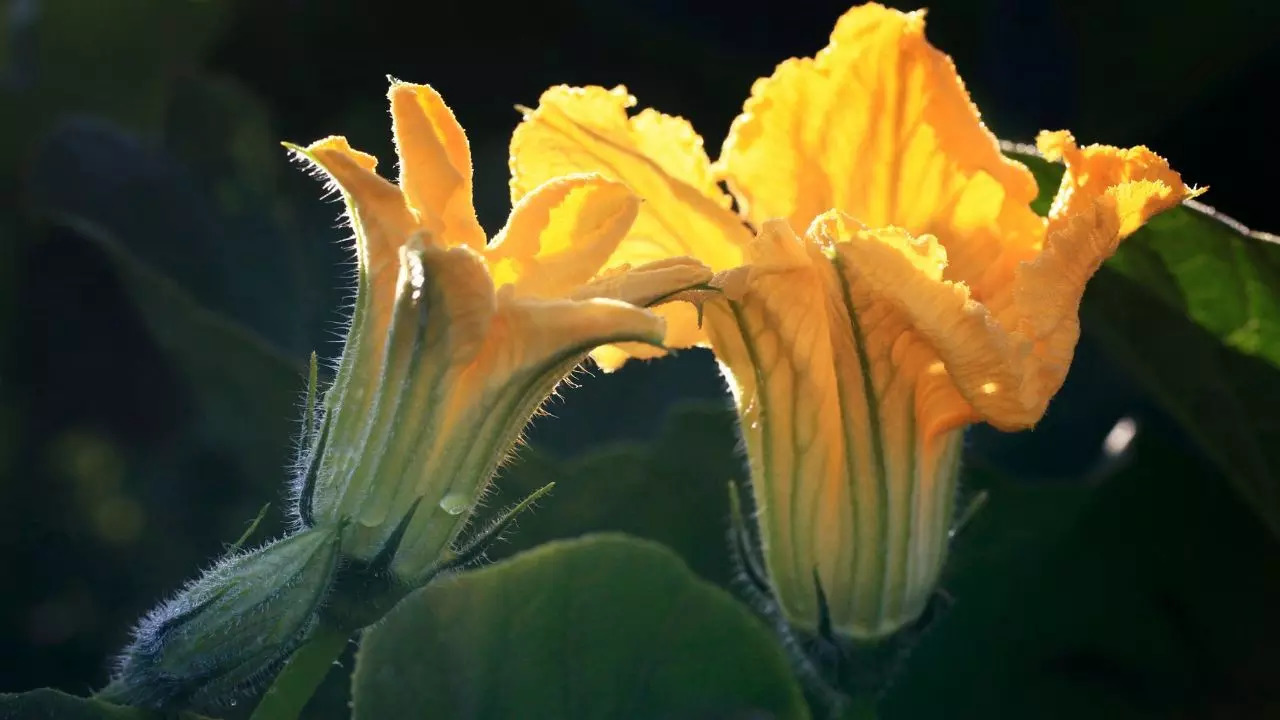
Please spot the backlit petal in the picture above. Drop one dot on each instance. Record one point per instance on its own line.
(986, 364)
(379, 215)
(465, 368)
(530, 346)
(1106, 194)
(879, 126)
(575, 130)
(772, 333)
(529, 334)
(832, 383)
(649, 284)
(445, 305)
(1140, 181)
(435, 164)
(561, 234)
(673, 143)
(382, 224)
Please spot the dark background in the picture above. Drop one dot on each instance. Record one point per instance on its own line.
(122, 470)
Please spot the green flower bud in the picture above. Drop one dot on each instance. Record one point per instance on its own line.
(229, 631)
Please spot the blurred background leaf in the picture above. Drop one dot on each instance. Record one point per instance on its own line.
(601, 627)
(92, 181)
(144, 421)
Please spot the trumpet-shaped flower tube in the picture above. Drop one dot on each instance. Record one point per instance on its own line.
(455, 341)
(885, 284)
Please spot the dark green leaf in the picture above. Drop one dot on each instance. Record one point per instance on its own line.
(671, 490)
(47, 704)
(601, 627)
(1150, 595)
(1191, 306)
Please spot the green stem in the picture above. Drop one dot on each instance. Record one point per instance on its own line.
(302, 674)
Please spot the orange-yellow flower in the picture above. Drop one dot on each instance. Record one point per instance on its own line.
(885, 281)
(455, 341)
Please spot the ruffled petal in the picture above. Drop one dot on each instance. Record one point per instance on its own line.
(435, 164)
(880, 126)
(1140, 181)
(561, 234)
(575, 130)
(1106, 194)
(672, 142)
(903, 276)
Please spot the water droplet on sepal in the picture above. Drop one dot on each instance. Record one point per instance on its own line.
(455, 503)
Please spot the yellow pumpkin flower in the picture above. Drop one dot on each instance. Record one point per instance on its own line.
(885, 283)
(455, 341)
